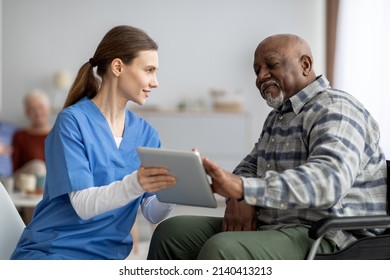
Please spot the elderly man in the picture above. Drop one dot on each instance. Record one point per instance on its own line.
(317, 155)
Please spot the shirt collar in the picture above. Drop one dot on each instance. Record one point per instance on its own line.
(299, 99)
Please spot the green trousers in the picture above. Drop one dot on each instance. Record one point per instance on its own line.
(197, 237)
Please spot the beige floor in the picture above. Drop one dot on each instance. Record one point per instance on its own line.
(145, 229)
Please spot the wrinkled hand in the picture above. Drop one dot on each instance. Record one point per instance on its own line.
(153, 179)
(223, 182)
(239, 216)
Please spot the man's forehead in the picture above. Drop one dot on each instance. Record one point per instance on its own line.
(268, 53)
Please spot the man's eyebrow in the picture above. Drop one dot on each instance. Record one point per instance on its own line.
(272, 56)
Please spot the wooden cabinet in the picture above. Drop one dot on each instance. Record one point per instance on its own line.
(224, 137)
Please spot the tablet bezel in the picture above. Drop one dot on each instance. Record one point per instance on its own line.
(192, 185)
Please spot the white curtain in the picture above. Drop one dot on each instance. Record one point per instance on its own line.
(362, 58)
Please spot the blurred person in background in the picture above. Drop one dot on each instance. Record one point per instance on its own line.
(28, 143)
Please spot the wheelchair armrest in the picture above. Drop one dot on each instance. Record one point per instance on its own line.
(324, 225)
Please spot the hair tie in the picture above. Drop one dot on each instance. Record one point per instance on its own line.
(93, 62)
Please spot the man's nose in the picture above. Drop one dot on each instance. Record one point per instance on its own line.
(263, 75)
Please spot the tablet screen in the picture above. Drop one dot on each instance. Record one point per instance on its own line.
(192, 185)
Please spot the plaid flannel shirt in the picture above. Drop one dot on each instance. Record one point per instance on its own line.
(317, 156)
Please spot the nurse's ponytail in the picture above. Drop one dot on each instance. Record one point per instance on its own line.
(124, 42)
(85, 84)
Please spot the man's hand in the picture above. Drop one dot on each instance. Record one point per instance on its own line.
(153, 179)
(239, 216)
(223, 182)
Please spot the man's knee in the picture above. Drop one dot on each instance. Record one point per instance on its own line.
(173, 228)
(218, 247)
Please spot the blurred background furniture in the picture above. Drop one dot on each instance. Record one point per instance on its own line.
(23, 200)
(25, 203)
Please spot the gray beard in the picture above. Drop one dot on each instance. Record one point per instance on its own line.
(275, 102)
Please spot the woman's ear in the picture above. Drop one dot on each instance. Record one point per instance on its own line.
(116, 67)
(306, 63)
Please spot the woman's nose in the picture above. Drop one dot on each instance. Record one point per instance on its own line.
(154, 82)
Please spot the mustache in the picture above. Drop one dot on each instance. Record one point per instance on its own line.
(267, 84)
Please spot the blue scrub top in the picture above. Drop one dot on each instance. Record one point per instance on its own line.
(80, 153)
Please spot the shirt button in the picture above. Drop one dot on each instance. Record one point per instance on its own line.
(273, 140)
(282, 205)
(287, 144)
(268, 165)
(252, 200)
(280, 117)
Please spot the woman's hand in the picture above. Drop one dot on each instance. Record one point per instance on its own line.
(153, 179)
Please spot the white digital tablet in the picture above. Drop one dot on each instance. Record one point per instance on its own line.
(192, 185)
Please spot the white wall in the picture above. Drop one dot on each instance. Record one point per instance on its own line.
(370, 86)
(203, 43)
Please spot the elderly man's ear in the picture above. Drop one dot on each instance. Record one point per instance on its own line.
(306, 63)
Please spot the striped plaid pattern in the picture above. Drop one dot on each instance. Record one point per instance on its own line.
(317, 156)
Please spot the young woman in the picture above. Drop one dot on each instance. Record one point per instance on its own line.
(94, 184)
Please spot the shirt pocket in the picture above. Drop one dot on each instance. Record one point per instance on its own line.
(106, 174)
(292, 153)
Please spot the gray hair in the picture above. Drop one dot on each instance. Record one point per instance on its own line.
(36, 93)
